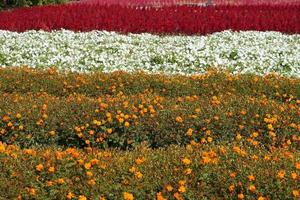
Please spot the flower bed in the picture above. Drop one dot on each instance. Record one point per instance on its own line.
(238, 52)
(218, 172)
(120, 110)
(170, 19)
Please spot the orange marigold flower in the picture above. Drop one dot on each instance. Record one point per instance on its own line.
(32, 191)
(181, 189)
(182, 182)
(50, 183)
(232, 175)
(138, 175)
(92, 182)
(177, 196)
(188, 171)
(189, 132)
(281, 174)
(89, 173)
(128, 196)
(51, 169)
(209, 139)
(140, 160)
(169, 188)
(241, 196)
(87, 165)
(297, 165)
(18, 116)
(159, 196)
(231, 188)
(39, 167)
(252, 188)
(179, 119)
(261, 198)
(296, 193)
(82, 197)
(251, 177)
(70, 195)
(294, 175)
(186, 161)
(126, 124)
(109, 131)
(61, 181)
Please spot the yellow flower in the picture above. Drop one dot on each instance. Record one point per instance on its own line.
(18, 116)
(32, 191)
(294, 175)
(92, 182)
(186, 161)
(39, 167)
(189, 132)
(50, 183)
(61, 181)
(82, 197)
(89, 173)
(138, 175)
(21, 127)
(181, 189)
(179, 119)
(296, 193)
(261, 198)
(297, 165)
(252, 188)
(140, 160)
(231, 188)
(126, 124)
(128, 196)
(281, 174)
(241, 196)
(251, 177)
(132, 169)
(209, 139)
(109, 131)
(182, 182)
(169, 188)
(159, 196)
(51, 169)
(87, 165)
(255, 134)
(188, 171)
(177, 196)
(70, 195)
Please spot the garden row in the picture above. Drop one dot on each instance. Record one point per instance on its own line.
(189, 2)
(120, 110)
(170, 19)
(245, 52)
(215, 172)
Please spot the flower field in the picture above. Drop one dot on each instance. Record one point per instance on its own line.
(238, 52)
(174, 19)
(142, 102)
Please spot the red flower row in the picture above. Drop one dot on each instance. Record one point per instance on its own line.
(172, 19)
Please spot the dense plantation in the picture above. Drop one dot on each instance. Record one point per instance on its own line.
(172, 19)
(150, 100)
(238, 52)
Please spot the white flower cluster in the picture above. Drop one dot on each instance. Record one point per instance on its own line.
(244, 52)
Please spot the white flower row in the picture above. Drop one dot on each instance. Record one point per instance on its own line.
(245, 52)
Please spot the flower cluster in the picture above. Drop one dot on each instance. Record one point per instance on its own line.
(121, 110)
(170, 173)
(163, 19)
(238, 52)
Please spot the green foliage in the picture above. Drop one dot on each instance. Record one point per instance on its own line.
(121, 110)
(9, 4)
